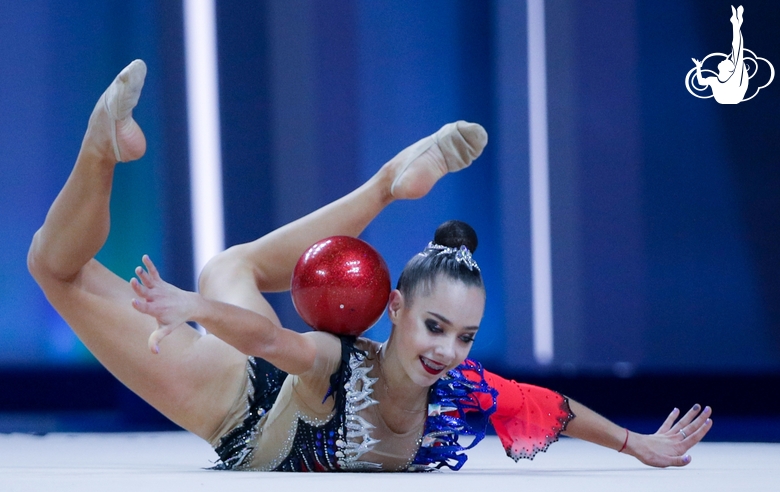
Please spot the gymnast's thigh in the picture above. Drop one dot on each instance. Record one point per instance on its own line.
(193, 380)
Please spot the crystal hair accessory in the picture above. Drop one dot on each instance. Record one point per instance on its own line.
(462, 254)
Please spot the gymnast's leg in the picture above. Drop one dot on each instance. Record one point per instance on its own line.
(737, 43)
(239, 274)
(195, 382)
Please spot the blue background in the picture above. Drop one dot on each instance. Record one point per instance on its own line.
(665, 208)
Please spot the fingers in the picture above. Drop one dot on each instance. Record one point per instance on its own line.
(669, 421)
(669, 446)
(701, 418)
(667, 454)
(142, 307)
(159, 333)
(154, 342)
(697, 429)
(688, 425)
(687, 418)
(663, 460)
(150, 267)
(698, 434)
(149, 275)
(678, 460)
(145, 278)
(140, 289)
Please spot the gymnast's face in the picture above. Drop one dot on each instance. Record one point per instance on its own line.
(434, 332)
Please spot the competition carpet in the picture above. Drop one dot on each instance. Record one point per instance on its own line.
(175, 461)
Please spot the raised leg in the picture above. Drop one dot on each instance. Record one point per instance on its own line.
(736, 37)
(195, 381)
(77, 224)
(239, 274)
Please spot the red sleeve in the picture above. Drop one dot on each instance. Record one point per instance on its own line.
(527, 418)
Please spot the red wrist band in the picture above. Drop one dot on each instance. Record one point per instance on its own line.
(624, 443)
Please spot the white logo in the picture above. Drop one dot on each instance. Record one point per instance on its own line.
(730, 84)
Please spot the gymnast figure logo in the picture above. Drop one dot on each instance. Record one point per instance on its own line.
(730, 84)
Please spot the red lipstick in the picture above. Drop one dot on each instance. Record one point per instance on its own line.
(430, 369)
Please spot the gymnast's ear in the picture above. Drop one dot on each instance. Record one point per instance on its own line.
(394, 304)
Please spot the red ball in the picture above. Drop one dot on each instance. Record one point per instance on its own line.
(341, 285)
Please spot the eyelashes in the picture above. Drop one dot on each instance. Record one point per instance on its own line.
(433, 326)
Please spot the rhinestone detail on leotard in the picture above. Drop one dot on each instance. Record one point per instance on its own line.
(359, 388)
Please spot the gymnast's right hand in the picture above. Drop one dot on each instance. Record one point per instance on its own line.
(169, 305)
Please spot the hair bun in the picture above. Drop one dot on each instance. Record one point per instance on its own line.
(455, 234)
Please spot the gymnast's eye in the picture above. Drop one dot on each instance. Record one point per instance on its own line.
(433, 326)
(467, 338)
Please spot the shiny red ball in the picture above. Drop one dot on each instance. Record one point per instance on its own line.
(341, 285)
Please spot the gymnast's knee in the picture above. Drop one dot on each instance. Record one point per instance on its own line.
(224, 270)
(37, 264)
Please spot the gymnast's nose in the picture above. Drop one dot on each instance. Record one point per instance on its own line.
(445, 350)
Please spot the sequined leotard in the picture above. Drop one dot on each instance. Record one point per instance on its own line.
(275, 435)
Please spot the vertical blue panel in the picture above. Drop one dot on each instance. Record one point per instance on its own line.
(245, 117)
(337, 112)
(421, 65)
(510, 145)
(174, 152)
(610, 155)
(26, 165)
(314, 123)
(565, 177)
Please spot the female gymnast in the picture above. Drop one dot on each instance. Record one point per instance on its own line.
(731, 84)
(268, 398)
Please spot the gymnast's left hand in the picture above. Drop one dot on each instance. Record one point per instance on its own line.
(670, 444)
(169, 305)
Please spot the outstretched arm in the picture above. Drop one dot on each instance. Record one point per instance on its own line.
(667, 447)
(529, 418)
(248, 331)
(701, 80)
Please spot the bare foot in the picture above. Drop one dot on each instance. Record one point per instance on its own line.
(418, 167)
(112, 131)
